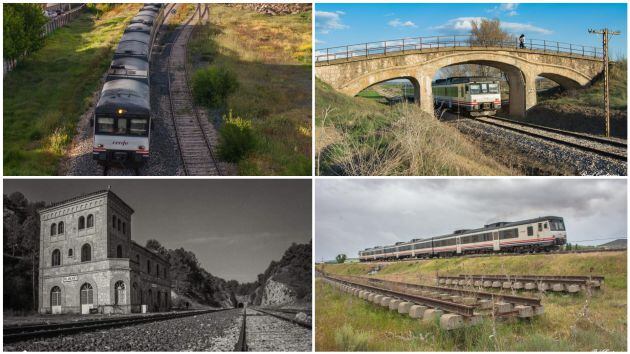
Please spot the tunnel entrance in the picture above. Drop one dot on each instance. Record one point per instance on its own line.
(392, 91)
(240, 305)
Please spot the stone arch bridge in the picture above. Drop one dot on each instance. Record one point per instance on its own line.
(350, 69)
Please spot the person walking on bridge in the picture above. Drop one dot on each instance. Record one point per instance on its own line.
(521, 41)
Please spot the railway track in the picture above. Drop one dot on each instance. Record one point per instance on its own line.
(264, 330)
(195, 148)
(555, 283)
(454, 308)
(20, 333)
(603, 147)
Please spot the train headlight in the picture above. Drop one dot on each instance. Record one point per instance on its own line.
(120, 111)
(100, 145)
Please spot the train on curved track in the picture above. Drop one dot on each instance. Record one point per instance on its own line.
(541, 234)
(476, 96)
(122, 117)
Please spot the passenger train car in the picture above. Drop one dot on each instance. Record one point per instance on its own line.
(122, 117)
(477, 96)
(534, 235)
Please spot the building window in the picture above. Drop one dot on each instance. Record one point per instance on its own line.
(56, 258)
(124, 228)
(53, 229)
(119, 252)
(55, 296)
(148, 266)
(87, 294)
(134, 293)
(90, 221)
(164, 271)
(60, 228)
(157, 270)
(81, 223)
(138, 259)
(119, 296)
(114, 222)
(70, 252)
(119, 224)
(86, 253)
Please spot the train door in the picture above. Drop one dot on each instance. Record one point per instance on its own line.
(458, 242)
(495, 241)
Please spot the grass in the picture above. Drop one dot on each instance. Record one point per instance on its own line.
(565, 326)
(357, 136)
(271, 57)
(49, 90)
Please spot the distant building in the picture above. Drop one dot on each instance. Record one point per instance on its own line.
(89, 263)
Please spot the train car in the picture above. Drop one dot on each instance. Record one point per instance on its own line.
(122, 121)
(135, 45)
(534, 235)
(129, 68)
(476, 96)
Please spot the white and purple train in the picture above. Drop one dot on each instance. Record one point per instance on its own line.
(534, 235)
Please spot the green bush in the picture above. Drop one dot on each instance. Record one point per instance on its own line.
(212, 86)
(349, 340)
(237, 138)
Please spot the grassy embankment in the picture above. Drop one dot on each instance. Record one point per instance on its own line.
(357, 136)
(583, 109)
(570, 323)
(271, 59)
(50, 89)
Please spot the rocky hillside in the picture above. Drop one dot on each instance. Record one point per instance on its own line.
(288, 281)
(276, 9)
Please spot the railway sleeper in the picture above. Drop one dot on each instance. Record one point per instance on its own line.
(520, 285)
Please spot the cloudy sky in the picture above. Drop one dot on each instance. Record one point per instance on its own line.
(343, 24)
(235, 227)
(351, 215)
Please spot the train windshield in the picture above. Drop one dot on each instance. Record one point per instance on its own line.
(493, 88)
(556, 225)
(122, 126)
(475, 89)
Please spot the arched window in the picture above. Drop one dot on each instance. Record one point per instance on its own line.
(86, 253)
(119, 296)
(87, 294)
(124, 228)
(81, 223)
(70, 253)
(55, 296)
(114, 221)
(164, 271)
(53, 229)
(157, 270)
(56, 258)
(119, 252)
(60, 228)
(138, 259)
(90, 221)
(119, 222)
(148, 266)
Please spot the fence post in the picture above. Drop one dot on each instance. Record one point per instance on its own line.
(558, 47)
(544, 45)
(531, 45)
(366, 51)
(403, 45)
(347, 53)
(454, 41)
(385, 50)
(438, 42)
(327, 57)
(582, 50)
(420, 42)
(570, 48)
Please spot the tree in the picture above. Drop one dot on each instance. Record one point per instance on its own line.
(341, 258)
(156, 246)
(488, 33)
(22, 29)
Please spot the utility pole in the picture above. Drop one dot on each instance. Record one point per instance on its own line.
(605, 38)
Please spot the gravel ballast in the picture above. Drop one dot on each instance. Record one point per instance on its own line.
(267, 333)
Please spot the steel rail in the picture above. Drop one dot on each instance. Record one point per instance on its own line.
(241, 344)
(459, 309)
(19, 333)
(533, 276)
(596, 151)
(520, 278)
(294, 321)
(597, 139)
(485, 295)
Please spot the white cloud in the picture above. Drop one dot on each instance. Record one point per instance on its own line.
(398, 23)
(508, 9)
(512, 13)
(461, 25)
(318, 41)
(509, 6)
(328, 21)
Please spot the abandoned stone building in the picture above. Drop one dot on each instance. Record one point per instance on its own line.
(90, 264)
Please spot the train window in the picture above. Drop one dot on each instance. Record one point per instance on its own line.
(121, 126)
(510, 233)
(539, 226)
(493, 88)
(557, 225)
(546, 226)
(138, 127)
(484, 88)
(105, 125)
(475, 89)
(466, 87)
(530, 231)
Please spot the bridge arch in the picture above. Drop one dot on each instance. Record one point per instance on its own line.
(521, 67)
(414, 82)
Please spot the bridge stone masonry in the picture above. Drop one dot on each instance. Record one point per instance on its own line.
(351, 69)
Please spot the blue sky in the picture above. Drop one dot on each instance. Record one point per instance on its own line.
(342, 24)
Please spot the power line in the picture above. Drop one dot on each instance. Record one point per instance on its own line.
(606, 33)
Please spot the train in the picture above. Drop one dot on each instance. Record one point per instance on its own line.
(476, 96)
(540, 234)
(122, 117)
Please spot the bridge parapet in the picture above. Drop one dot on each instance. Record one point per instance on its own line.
(415, 44)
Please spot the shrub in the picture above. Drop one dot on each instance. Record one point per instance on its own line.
(349, 340)
(212, 86)
(237, 138)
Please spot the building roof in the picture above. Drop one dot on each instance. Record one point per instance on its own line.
(107, 192)
(134, 243)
